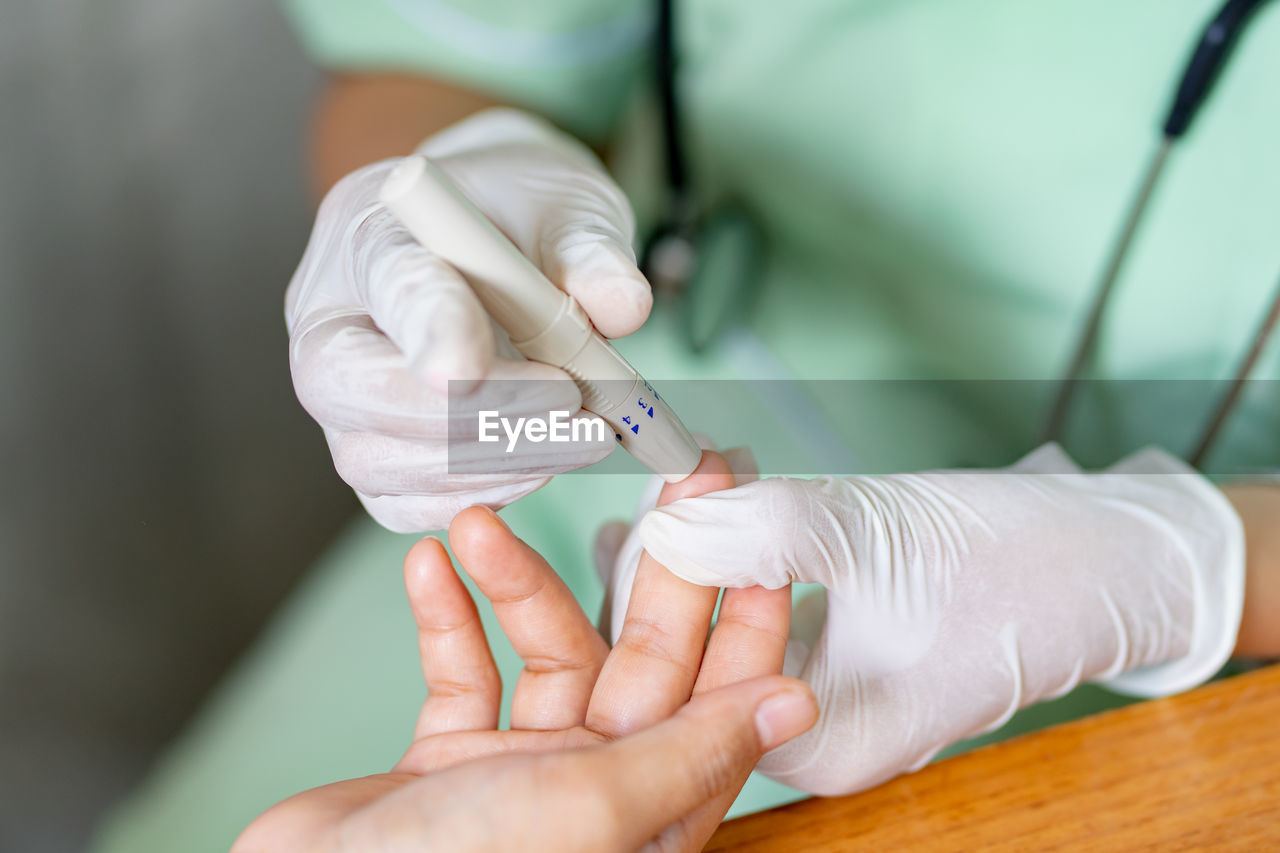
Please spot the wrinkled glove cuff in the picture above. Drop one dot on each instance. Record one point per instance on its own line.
(1219, 586)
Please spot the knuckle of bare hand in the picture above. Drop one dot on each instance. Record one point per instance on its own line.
(650, 639)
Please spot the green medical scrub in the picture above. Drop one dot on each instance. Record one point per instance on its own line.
(937, 185)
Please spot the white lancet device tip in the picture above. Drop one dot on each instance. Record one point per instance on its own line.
(545, 323)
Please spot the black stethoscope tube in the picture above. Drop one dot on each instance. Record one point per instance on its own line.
(1207, 62)
(665, 67)
(1202, 71)
(1229, 399)
(667, 256)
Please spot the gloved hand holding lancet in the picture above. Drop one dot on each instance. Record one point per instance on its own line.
(542, 322)
(379, 325)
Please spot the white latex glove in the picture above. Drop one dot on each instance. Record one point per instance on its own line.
(617, 543)
(955, 598)
(378, 325)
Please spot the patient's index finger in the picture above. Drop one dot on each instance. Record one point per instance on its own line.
(561, 649)
(463, 687)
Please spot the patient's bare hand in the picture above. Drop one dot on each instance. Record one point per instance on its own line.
(646, 744)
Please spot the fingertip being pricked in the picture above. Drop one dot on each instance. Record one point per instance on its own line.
(713, 474)
(744, 465)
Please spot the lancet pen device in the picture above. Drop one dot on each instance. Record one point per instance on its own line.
(545, 323)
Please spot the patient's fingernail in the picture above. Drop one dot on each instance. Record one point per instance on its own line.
(784, 715)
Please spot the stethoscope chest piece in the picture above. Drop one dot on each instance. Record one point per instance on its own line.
(708, 273)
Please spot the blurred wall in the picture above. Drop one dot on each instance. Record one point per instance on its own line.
(162, 488)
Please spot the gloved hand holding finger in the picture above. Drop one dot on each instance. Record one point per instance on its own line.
(954, 598)
(617, 545)
(389, 347)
